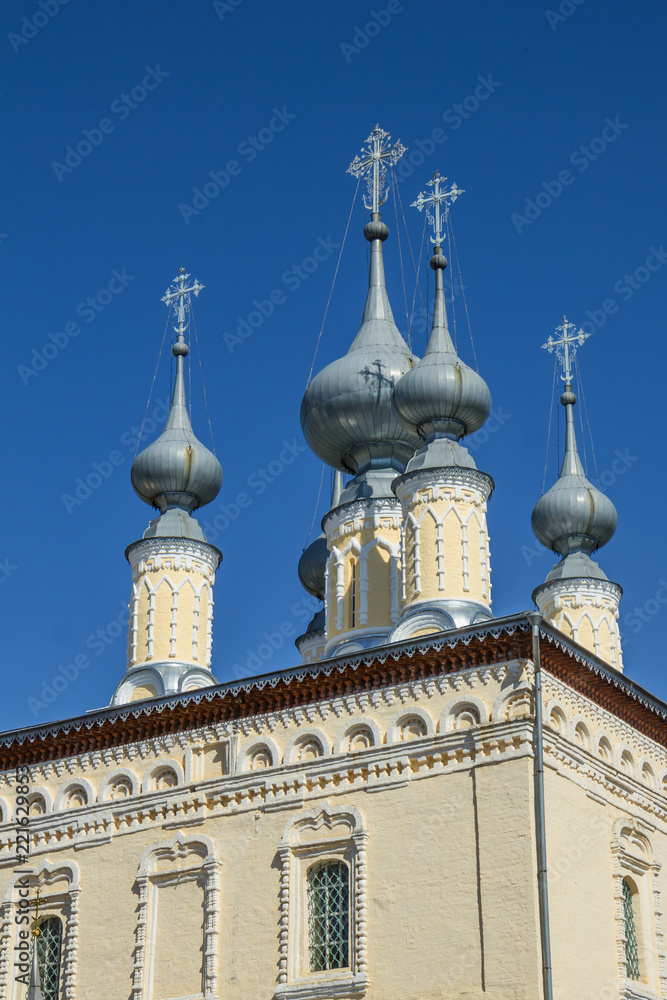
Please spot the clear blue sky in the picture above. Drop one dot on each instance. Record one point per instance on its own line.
(168, 94)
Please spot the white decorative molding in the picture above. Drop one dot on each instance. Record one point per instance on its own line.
(394, 734)
(244, 758)
(63, 903)
(458, 707)
(148, 780)
(633, 857)
(60, 801)
(350, 728)
(112, 777)
(331, 832)
(184, 858)
(303, 736)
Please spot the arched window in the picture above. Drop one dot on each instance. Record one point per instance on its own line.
(49, 945)
(632, 964)
(329, 916)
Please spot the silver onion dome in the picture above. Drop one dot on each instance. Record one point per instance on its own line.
(573, 516)
(313, 561)
(312, 566)
(177, 470)
(346, 412)
(441, 397)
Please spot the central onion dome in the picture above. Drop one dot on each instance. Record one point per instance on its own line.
(441, 398)
(573, 518)
(346, 412)
(177, 470)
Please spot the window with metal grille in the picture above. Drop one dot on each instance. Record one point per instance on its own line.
(49, 944)
(631, 945)
(329, 916)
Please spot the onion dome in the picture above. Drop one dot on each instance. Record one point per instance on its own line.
(312, 566)
(573, 518)
(313, 561)
(441, 398)
(177, 472)
(346, 412)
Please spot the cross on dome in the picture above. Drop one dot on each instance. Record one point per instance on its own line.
(373, 162)
(439, 196)
(178, 295)
(566, 347)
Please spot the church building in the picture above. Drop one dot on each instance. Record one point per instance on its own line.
(433, 804)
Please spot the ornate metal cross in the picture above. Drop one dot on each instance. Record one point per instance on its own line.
(178, 295)
(373, 162)
(35, 902)
(566, 346)
(438, 197)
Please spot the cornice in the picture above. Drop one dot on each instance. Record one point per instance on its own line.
(482, 645)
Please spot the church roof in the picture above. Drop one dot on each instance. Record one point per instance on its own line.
(486, 644)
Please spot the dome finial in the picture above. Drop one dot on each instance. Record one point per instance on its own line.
(373, 162)
(441, 398)
(177, 472)
(346, 412)
(573, 518)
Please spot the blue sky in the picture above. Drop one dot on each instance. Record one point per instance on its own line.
(552, 121)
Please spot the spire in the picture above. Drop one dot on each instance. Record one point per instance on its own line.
(346, 413)
(176, 473)
(35, 985)
(440, 341)
(441, 399)
(573, 518)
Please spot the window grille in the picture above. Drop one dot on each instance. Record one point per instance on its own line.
(631, 947)
(328, 916)
(49, 945)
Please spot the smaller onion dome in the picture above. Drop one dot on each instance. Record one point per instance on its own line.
(346, 412)
(312, 566)
(177, 470)
(441, 397)
(313, 561)
(573, 517)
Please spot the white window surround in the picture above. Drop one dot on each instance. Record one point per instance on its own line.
(633, 856)
(55, 902)
(403, 714)
(60, 801)
(336, 833)
(200, 852)
(148, 783)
